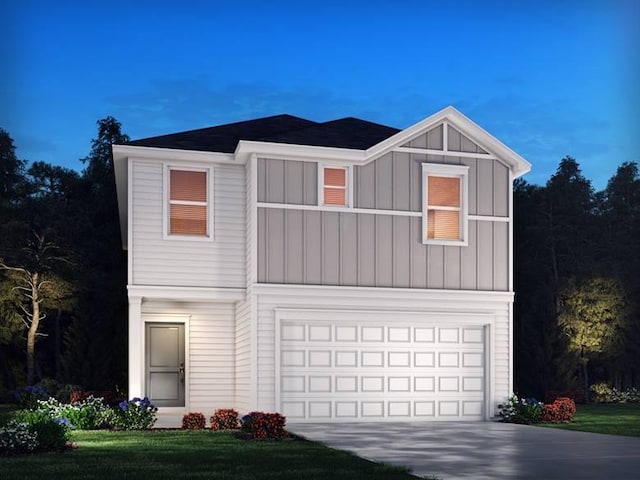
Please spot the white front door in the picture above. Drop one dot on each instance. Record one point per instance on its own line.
(165, 365)
(376, 371)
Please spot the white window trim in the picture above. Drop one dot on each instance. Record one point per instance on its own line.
(348, 186)
(458, 171)
(165, 203)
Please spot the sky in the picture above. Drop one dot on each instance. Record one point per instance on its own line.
(548, 78)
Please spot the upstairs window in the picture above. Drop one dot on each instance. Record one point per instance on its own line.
(445, 204)
(188, 212)
(334, 186)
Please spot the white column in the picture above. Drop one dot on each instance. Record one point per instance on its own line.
(136, 348)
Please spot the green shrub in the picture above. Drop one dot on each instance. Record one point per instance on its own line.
(16, 438)
(89, 414)
(51, 433)
(136, 414)
(520, 410)
(605, 393)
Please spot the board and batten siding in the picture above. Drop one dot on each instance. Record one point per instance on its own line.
(392, 182)
(159, 261)
(359, 249)
(318, 298)
(344, 248)
(212, 353)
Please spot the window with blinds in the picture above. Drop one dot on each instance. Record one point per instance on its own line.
(445, 204)
(443, 208)
(188, 203)
(335, 186)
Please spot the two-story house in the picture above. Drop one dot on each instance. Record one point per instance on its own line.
(336, 271)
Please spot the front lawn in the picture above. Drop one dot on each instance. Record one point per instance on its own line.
(179, 454)
(614, 419)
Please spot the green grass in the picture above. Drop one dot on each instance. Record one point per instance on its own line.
(614, 419)
(176, 454)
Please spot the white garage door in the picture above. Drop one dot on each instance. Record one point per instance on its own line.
(375, 372)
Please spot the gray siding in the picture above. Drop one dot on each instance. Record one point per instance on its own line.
(287, 181)
(392, 182)
(330, 248)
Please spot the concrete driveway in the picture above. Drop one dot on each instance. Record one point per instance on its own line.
(484, 450)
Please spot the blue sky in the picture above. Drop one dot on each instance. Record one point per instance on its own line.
(548, 78)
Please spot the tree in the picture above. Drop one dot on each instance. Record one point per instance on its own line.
(95, 353)
(11, 171)
(593, 317)
(33, 276)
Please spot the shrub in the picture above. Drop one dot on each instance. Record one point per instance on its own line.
(136, 414)
(194, 421)
(561, 410)
(224, 419)
(264, 426)
(605, 393)
(88, 414)
(51, 433)
(28, 397)
(520, 410)
(16, 437)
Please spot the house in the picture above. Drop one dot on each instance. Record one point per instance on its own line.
(336, 271)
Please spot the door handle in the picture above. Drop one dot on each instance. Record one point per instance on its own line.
(181, 372)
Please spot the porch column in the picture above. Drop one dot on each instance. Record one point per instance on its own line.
(136, 350)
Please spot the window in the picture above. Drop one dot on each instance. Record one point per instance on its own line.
(334, 186)
(188, 212)
(445, 204)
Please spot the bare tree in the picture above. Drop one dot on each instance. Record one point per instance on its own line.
(33, 276)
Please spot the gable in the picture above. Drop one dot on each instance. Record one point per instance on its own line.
(433, 140)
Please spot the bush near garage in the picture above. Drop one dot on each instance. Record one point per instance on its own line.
(525, 411)
(264, 426)
(561, 410)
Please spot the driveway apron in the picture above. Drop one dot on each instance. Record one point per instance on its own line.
(484, 450)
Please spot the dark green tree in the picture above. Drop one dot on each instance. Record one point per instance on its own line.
(95, 343)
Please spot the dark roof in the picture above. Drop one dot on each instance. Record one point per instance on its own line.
(343, 133)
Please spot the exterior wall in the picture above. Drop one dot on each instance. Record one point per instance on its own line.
(393, 182)
(243, 356)
(497, 306)
(211, 351)
(158, 261)
(314, 247)
(335, 248)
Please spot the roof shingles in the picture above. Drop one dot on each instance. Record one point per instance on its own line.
(343, 133)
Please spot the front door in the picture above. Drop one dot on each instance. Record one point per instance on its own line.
(165, 369)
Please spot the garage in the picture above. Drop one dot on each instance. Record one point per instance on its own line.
(382, 369)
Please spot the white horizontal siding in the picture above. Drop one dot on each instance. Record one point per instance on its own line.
(302, 298)
(158, 261)
(243, 356)
(210, 365)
